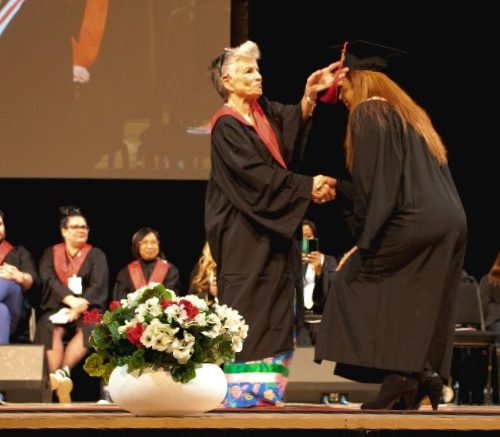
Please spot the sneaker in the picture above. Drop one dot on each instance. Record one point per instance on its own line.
(61, 382)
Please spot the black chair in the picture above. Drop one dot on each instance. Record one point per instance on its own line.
(470, 329)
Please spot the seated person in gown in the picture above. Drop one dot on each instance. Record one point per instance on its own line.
(149, 265)
(318, 270)
(74, 276)
(17, 277)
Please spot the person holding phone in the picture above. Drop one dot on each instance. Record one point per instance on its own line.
(318, 270)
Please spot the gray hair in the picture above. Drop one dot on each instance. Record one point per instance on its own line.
(225, 62)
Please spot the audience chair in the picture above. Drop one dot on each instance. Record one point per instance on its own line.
(470, 329)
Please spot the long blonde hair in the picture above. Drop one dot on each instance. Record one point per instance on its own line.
(206, 267)
(494, 273)
(367, 84)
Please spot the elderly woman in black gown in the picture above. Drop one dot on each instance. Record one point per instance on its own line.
(255, 203)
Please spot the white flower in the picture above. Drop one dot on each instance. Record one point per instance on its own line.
(153, 326)
(183, 349)
(158, 336)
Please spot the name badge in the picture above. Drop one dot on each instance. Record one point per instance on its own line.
(75, 284)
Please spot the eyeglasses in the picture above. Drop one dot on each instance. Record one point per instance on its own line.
(149, 243)
(81, 227)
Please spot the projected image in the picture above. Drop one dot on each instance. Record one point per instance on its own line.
(108, 88)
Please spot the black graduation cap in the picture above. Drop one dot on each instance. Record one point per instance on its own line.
(365, 55)
(361, 55)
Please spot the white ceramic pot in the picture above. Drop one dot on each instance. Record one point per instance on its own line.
(154, 393)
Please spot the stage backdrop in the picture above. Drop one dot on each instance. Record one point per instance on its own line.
(448, 72)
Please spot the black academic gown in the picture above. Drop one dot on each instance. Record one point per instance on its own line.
(490, 297)
(20, 257)
(393, 306)
(253, 211)
(124, 284)
(94, 274)
(306, 335)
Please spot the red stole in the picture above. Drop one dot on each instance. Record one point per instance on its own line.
(158, 274)
(66, 265)
(5, 248)
(262, 127)
(86, 49)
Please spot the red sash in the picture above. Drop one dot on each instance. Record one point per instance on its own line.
(158, 274)
(86, 49)
(66, 265)
(262, 127)
(5, 248)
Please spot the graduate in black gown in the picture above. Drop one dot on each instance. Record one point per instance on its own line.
(18, 280)
(149, 265)
(391, 318)
(254, 207)
(74, 276)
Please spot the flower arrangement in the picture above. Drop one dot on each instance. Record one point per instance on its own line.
(153, 327)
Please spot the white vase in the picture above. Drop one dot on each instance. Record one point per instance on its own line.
(155, 393)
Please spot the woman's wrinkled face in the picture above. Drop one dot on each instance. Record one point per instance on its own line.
(149, 247)
(244, 79)
(346, 92)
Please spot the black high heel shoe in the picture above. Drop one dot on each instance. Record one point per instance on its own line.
(394, 387)
(429, 385)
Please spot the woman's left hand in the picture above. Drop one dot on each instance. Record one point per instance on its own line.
(345, 257)
(322, 79)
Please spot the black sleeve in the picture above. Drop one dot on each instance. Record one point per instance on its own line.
(53, 290)
(266, 193)
(172, 280)
(122, 284)
(95, 286)
(377, 170)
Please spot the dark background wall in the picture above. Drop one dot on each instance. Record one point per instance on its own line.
(447, 73)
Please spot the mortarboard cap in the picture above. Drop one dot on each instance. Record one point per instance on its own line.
(361, 55)
(365, 55)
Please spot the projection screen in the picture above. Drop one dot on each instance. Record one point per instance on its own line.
(109, 88)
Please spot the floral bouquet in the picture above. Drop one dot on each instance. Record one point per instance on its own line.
(153, 327)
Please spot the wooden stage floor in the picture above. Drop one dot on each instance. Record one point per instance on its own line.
(93, 419)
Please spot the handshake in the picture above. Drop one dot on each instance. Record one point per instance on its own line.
(323, 189)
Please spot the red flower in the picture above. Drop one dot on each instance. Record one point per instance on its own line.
(93, 316)
(191, 310)
(134, 334)
(114, 304)
(165, 303)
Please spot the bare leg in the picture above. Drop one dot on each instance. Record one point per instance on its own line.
(75, 350)
(55, 355)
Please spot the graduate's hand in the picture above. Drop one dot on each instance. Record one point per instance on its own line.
(323, 189)
(78, 304)
(73, 315)
(345, 257)
(8, 272)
